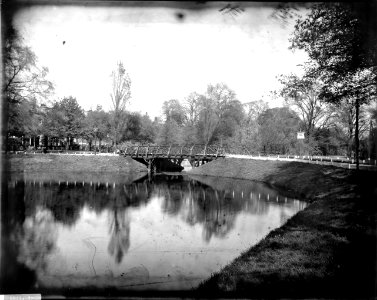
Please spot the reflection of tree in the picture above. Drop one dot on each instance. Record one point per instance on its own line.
(220, 217)
(212, 202)
(198, 203)
(67, 200)
(120, 234)
(37, 239)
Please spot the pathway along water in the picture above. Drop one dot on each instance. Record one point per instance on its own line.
(165, 233)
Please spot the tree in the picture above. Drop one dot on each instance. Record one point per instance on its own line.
(246, 138)
(171, 131)
(231, 119)
(173, 111)
(147, 132)
(24, 83)
(208, 119)
(95, 125)
(24, 118)
(53, 122)
(191, 108)
(220, 112)
(253, 110)
(345, 120)
(278, 128)
(120, 96)
(23, 78)
(330, 140)
(303, 94)
(65, 120)
(337, 37)
(133, 127)
(373, 131)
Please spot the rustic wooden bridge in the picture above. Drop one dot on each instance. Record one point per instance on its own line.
(169, 158)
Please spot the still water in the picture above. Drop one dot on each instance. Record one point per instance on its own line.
(169, 232)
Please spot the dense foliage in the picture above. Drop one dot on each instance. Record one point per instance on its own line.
(332, 102)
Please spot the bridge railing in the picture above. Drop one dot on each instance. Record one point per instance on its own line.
(174, 150)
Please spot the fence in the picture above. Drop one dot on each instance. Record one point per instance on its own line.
(336, 161)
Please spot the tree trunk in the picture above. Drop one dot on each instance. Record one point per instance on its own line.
(357, 134)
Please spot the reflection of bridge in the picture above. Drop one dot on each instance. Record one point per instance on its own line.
(169, 158)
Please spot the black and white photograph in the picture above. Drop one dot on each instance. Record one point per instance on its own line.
(205, 149)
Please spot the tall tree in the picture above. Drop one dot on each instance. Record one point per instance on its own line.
(192, 114)
(72, 118)
(302, 94)
(340, 39)
(24, 82)
(220, 112)
(23, 78)
(208, 119)
(120, 97)
(191, 108)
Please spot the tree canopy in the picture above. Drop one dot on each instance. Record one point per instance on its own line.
(342, 48)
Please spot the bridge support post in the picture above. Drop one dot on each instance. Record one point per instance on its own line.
(152, 168)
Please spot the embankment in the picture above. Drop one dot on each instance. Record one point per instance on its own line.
(94, 168)
(327, 250)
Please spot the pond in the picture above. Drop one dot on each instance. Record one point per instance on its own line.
(168, 232)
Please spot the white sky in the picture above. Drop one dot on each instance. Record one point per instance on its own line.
(166, 58)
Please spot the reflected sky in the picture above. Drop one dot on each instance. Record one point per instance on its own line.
(168, 232)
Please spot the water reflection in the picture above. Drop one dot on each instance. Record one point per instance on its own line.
(37, 239)
(165, 232)
(120, 234)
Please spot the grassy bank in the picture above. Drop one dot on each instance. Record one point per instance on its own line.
(326, 250)
(72, 168)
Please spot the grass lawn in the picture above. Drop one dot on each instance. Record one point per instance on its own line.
(94, 168)
(327, 250)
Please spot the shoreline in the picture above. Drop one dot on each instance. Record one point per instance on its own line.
(327, 250)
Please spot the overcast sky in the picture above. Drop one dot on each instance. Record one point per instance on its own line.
(166, 57)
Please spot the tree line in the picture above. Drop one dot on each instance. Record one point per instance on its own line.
(333, 102)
